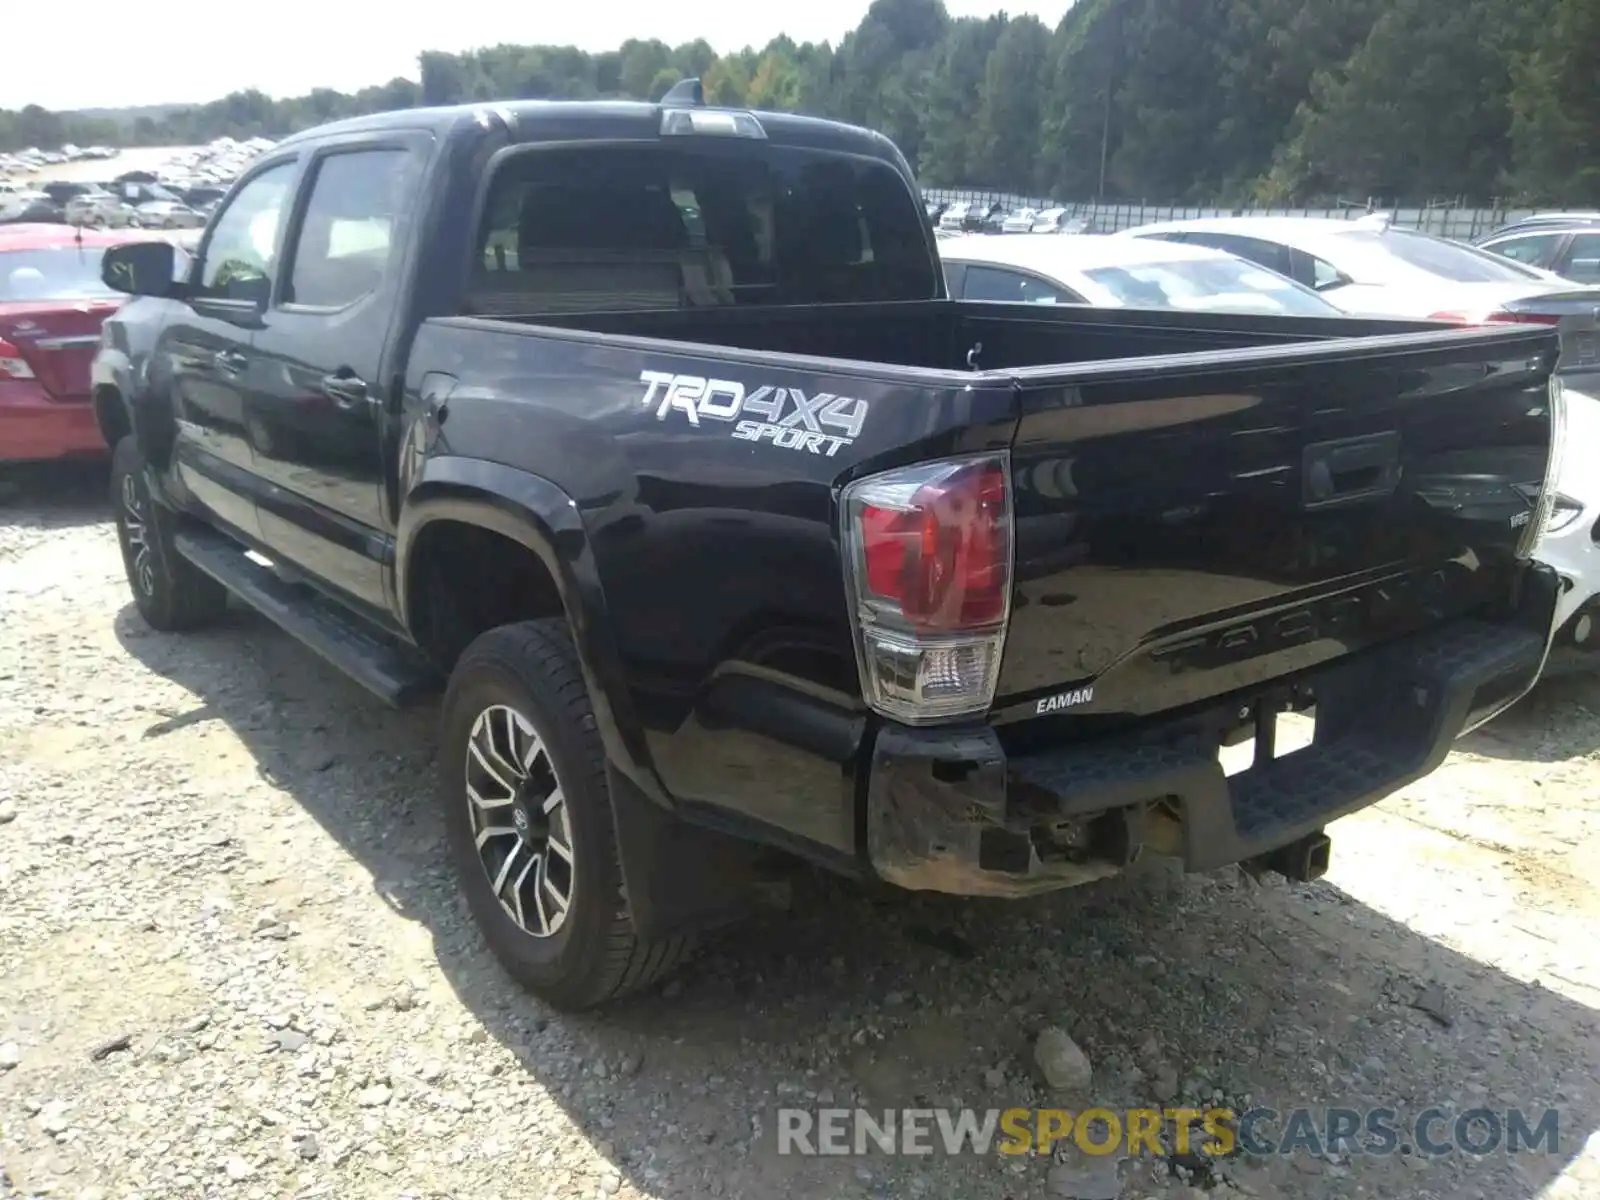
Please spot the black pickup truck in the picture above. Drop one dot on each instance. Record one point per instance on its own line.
(649, 435)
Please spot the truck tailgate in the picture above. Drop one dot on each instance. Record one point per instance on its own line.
(1197, 524)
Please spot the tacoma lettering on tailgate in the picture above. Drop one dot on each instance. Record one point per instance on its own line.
(790, 420)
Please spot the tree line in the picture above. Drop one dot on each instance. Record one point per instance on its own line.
(1234, 101)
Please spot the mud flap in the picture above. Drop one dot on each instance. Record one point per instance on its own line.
(677, 876)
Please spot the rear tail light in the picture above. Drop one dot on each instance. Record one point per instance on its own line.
(1496, 318)
(12, 364)
(1544, 509)
(928, 567)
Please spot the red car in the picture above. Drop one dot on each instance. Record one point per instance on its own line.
(51, 305)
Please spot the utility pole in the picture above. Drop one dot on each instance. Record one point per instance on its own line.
(1105, 136)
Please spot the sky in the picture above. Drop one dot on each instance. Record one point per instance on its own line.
(110, 54)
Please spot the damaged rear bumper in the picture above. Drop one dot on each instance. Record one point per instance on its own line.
(950, 811)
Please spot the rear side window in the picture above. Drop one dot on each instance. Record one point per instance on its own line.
(613, 228)
(1582, 261)
(1011, 287)
(64, 273)
(1535, 249)
(1272, 255)
(345, 235)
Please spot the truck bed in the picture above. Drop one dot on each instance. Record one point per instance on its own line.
(939, 335)
(1205, 504)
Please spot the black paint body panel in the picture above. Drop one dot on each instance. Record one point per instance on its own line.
(1205, 503)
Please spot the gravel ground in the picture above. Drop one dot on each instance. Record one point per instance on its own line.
(232, 964)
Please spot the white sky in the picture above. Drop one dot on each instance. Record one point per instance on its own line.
(110, 53)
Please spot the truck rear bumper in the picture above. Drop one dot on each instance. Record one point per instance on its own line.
(950, 811)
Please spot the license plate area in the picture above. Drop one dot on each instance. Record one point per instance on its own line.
(1267, 731)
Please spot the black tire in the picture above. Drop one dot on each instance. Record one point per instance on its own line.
(594, 955)
(171, 593)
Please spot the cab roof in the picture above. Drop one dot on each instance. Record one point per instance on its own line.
(539, 120)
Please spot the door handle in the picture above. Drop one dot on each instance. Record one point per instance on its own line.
(230, 362)
(346, 391)
(1350, 471)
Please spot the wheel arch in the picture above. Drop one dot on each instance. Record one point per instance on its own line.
(451, 495)
(111, 414)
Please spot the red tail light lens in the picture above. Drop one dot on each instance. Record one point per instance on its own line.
(12, 364)
(928, 557)
(944, 558)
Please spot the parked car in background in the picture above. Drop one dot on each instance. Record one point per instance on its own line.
(17, 202)
(990, 219)
(1057, 220)
(1569, 544)
(36, 212)
(169, 214)
(954, 216)
(1020, 221)
(1119, 272)
(1539, 221)
(1370, 268)
(198, 197)
(974, 217)
(52, 303)
(101, 209)
(1570, 249)
(61, 193)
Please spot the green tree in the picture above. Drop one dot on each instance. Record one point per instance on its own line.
(1555, 105)
(1007, 123)
(1079, 122)
(1219, 100)
(1421, 108)
(951, 142)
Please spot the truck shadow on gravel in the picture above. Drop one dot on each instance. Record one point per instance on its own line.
(1258, 994)
(1559, 720)
(55, 495)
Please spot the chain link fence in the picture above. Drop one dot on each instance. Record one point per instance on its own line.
(1445, 218)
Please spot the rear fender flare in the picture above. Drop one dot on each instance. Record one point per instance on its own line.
(535, 513)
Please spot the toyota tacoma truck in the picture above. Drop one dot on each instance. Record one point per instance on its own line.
(648, 435)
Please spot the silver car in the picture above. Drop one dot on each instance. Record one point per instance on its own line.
(1119, 272)
(101, 210)
(169, 214)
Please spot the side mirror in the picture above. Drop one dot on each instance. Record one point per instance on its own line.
(140, 268)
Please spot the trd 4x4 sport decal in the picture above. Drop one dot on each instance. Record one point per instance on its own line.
(788, 418)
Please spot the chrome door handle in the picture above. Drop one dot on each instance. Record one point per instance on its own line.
(230, 362)
(346, 391)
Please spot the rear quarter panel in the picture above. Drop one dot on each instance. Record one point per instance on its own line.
(707, 486)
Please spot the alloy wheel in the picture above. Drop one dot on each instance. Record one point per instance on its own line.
(520, 824)
(135, 532)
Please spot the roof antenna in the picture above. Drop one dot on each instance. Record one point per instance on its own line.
(686, 93)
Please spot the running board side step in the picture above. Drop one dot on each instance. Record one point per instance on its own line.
(394, 673)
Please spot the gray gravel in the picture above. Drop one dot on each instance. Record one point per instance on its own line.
(232, 963)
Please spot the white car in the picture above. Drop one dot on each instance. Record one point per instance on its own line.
(1119, 272)
(169, 214)
(1020, 221)
(1367, 267)
(1569, 543)
(99, 208)
(16, 198)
